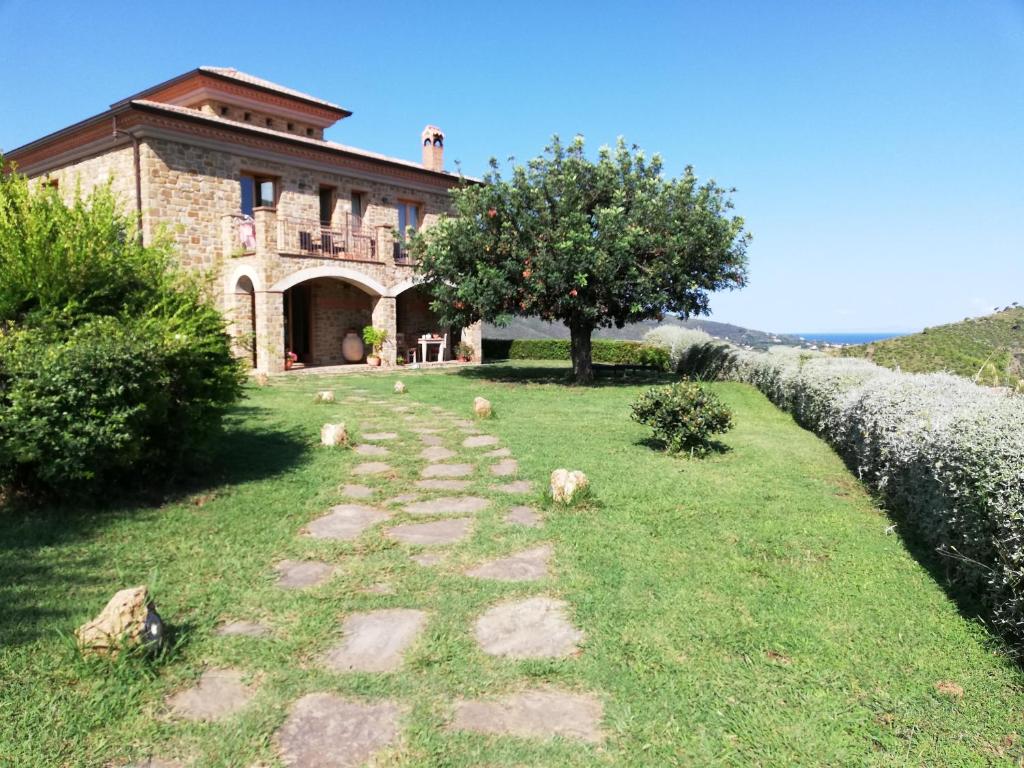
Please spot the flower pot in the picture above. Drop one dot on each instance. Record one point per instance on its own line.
(372, 360)
(288, 363)
(462, 359)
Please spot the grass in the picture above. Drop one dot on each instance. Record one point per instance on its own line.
(989, 349)
(750, 608)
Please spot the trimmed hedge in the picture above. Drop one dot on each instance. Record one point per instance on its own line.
(945, 456)
(604, 351)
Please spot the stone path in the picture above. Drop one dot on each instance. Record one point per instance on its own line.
(535, 628)
(328, 731)
(432, 534)
(375, 641)
(299, 574)
(333, 731)
(219, 693)
(345, 522)
(543, 713)
(528, 565)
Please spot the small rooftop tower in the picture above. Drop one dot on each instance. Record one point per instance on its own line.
(433, 148)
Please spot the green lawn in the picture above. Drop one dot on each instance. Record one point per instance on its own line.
(746, 609)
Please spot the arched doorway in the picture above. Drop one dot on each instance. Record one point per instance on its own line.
(319, 313)
(244, 317)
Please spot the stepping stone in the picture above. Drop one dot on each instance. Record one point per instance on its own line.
(443, 485)
(528, 565)
(402, 498)
(380, 588)
(242, 629)
(427, 559)
(447, 470)
(505, 467)
(299, 574)
(410, 417)
(431, 440)
(453, 505)
(535, 628)
(371, 468)
(380, 436)
(516, 486)
(463, 423)
(219, 693)
(357, 491)
(470, 430)
(537, 714)
(355, 399)
(500, 453)
(328, 731)
(479, 441)
(155, 762)
(375, 641)
(361, 391)
(345, 522)
(371, 450)
(425, 430)
(432, 534)
(436, 453)
(523, 516)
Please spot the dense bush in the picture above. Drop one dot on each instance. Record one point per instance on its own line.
(675, 341)
(684, 416)
(113, 365)
(606, 351)
(944, 455)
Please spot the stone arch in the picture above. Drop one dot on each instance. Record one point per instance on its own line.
(400, 288)
(360, 279)
(243, 318)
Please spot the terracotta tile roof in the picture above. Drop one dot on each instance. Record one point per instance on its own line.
(319, 143)
(245, 77)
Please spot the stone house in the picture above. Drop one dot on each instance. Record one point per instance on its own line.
(303, 237)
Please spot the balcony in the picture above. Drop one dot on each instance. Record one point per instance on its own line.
(401, 255)
(346, 239)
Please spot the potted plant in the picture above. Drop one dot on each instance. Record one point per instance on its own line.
(290, 359)
(375, 338)
(463, 352)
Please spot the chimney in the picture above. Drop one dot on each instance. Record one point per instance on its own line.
(433, 148)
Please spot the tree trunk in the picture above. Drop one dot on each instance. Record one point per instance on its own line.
(582, 369)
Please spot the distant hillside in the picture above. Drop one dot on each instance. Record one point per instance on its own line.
(535, 328)
(989, 348)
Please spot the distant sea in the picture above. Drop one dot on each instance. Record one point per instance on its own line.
(848, 338)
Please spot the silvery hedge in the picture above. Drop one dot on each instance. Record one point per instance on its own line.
(945, 456)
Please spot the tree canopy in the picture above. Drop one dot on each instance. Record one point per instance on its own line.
(589, 243)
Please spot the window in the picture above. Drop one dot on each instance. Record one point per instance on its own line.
(326, 205)
(224, 111)
(357, 209)
(291, 126)
(247, 116)
(257, 191)
(408, 218)
(309, 131)
(270, 123)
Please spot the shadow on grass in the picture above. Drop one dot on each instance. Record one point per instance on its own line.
(714, 448)
(42, 567)
(523, 373)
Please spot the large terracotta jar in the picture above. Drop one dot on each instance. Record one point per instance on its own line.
(352, 347)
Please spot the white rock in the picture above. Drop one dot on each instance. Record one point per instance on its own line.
(566, 485)
(324, 396)
(482, 407)
(333, 434)
(400, 388)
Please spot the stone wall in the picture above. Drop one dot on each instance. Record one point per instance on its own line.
(336, 308)
(116, 166)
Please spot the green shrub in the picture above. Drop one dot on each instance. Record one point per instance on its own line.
(114, 367)
(684, 416)
(606, 351)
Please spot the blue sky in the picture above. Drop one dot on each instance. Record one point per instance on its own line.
(877, 147)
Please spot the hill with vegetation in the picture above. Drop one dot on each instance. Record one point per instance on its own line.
(989, 349)
(535, 328)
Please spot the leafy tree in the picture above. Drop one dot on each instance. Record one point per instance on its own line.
(588, 243)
